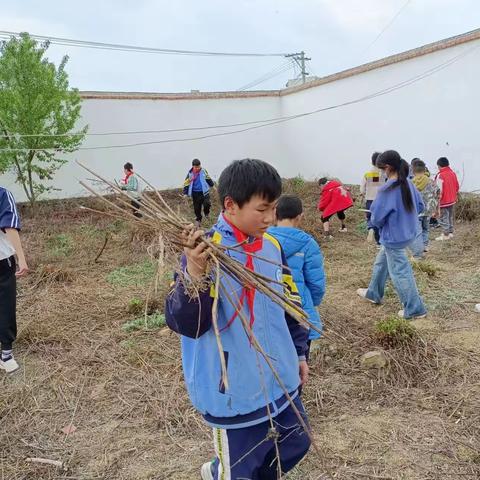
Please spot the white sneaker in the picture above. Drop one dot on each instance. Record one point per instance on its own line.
(401, 314)
(9, 365)
(442, 237)
(362, 292)
(450, 235)
(343, 230)
(206, 471)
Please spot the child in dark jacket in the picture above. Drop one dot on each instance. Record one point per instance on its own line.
(304, 258)
(12, 265)
(334, 199)
(245, 444)
(395, 213)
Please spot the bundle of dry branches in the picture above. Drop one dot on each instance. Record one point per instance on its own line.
(171, 228)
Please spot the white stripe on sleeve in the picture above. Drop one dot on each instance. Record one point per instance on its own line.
(13, 207)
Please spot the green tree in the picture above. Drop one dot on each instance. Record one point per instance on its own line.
(38, 112)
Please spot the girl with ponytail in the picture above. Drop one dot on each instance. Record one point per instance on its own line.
(395, 213)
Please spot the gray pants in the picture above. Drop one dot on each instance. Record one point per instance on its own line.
(446, 219)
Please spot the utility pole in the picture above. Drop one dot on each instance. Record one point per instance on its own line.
(299, 59)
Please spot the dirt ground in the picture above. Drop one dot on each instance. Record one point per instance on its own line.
(108, 399)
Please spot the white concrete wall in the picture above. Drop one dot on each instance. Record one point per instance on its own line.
(436, 116)
(164, 165)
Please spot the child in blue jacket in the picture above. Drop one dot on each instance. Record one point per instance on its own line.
(395, 213)
(304, 258)
(244, 438)
(197, 186)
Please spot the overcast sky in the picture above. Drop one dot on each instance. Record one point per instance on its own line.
(336, 34)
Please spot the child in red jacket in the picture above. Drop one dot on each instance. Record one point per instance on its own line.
(334, 199)
(448, 183)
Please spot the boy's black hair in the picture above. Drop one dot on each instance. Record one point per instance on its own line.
(443, 162)
(393, 159)
(414, 161)
(322, 181)
(419, 166)
(374, 158)
(196, 162)
(289, 207)
(243, 179)
(128, 166)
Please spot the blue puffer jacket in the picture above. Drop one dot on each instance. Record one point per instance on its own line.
(305, 259)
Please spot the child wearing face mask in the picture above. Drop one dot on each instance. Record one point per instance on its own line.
(395, 213)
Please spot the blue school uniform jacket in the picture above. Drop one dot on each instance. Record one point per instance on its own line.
(305, 259)
(252, 386)
(205, 181)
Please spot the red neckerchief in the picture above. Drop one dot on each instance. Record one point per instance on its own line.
(127, 176)
(195, 174)
(248, 292)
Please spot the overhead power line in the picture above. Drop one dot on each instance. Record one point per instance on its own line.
(274, 121)
(284, 67)
(135, 48)
(387, 26)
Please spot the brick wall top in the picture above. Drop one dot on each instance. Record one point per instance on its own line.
(400, 57)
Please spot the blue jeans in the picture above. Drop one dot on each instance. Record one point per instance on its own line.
(393, 263)
(425, 224)
(417, 245)
(376, 232)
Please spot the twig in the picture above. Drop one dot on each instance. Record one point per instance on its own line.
(107, 238)
(215, 323)
(45, 461)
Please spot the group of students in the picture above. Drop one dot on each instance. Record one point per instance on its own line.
(439, 195)
(267, 227)
(255, 426)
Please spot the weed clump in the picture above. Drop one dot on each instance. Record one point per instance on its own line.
(60, 245)
(426, 267)
(150, 322)
(136, 275)
(394, 332)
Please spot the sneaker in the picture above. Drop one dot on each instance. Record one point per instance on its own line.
(371, 236)
(9, 365)
(206, 471)
(477, 307)
(328, 237)
(343, 230)
(401, 314)
(442, 237)
(362, 292)
(450, 235)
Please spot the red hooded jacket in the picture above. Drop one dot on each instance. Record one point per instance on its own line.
(334, 198)
(447, 181)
